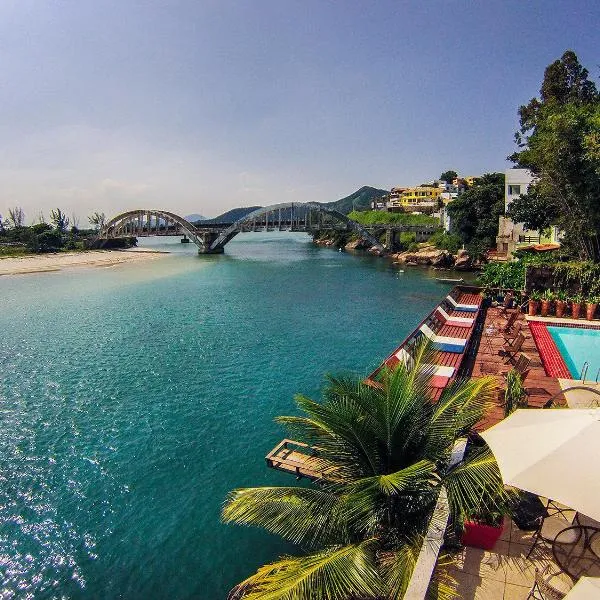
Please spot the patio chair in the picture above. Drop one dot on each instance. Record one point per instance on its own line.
(559, 518)
(545, 586)
(506, 303)
(508, 324)
(511, 349)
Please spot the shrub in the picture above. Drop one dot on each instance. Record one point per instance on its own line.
(446, 241)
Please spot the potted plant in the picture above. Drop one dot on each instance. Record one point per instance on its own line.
(576, 301)
(561, 304)
(547, 298)
(590, 306)
(482, 530)
(534, 302)
(514, 395)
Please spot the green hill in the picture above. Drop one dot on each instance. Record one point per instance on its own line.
(359, 200)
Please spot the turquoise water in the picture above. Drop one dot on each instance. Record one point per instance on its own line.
(134, 398)
(576, 347)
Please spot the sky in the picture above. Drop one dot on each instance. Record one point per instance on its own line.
(199, 106)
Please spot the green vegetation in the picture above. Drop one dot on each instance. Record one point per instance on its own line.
(559, 140)
(514, 395)
(376, 217)
(446, 241)
(17, 239)
(387, 451)
(474, 214)
(448, 176)
(359, 200)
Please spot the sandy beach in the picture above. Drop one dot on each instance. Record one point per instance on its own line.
(42, 263)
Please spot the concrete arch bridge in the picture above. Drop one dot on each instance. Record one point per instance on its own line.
(211, 237)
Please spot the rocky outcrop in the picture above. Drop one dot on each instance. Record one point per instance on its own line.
(463, 261)
(359, 244)
(427, 255)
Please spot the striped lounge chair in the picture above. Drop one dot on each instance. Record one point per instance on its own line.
(444, 343)
(462, 307)
(446, 319)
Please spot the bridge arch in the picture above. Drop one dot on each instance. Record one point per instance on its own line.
(228, 234)
(212, 238)
(137, 221)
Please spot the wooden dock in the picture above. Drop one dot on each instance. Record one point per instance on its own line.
(301, 460)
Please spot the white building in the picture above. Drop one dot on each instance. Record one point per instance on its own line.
(511, 235)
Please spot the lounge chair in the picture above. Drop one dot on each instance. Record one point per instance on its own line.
(462, 307)
(444, 343)
(453, 321)
(512, 348)
(440, 375)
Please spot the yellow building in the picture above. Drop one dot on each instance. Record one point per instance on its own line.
(423, 196)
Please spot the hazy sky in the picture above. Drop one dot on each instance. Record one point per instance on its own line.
(202, 105)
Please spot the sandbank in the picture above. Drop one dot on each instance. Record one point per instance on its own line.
(44, 263)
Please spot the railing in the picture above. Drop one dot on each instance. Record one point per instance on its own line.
(434, 538)
(530, 239)
(584, 371)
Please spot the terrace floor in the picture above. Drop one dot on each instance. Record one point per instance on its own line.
(488, 359)
(503, 573)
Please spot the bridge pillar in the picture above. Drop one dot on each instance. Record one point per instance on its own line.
(389, 238)
(208, 237)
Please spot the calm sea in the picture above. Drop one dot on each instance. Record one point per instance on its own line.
(134, 398)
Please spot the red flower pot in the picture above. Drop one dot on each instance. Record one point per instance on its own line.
(545, 307)
(481, 536)
(533, 307)
(590, 309)
(561, 306)
(575, 309)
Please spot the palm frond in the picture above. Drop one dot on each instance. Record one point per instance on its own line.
(397, 567)
(475, 485)
(302, 515)
(337, 573)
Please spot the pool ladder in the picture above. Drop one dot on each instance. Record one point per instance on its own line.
(584, 371)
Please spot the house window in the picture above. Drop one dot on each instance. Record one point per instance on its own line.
(514, 190)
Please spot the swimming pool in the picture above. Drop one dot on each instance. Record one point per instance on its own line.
(578, 345)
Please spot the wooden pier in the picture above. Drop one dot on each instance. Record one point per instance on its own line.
(301, 460)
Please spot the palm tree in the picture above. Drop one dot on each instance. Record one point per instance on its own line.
(390, 447)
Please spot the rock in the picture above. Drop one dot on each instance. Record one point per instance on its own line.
(358, 244)
(463, 261)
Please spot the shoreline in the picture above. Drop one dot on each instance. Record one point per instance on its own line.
(57, 261)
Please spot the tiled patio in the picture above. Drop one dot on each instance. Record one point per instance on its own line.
(503, 573)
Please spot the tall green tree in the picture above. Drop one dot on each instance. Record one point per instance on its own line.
(387, 452)
(59, 219)
(474, 214)
(559, 142)
(448, 176)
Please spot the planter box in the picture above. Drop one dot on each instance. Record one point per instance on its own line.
(481, 536)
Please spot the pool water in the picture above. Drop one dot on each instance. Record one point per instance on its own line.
(578, 346)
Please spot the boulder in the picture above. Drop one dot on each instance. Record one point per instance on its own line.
(358, 244)
(463, 261)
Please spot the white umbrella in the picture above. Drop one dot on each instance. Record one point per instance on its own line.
(553, 453)
(587, 588)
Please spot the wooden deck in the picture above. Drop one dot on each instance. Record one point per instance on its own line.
(488, 359)
(301, 460)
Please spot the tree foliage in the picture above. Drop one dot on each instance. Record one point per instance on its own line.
(448, 176)
(16, 216)
(387, 451)
(97, 220)
(59, 219)
(559, 142)
(474, 214)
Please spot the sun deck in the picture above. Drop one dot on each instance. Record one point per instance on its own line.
(301, 460)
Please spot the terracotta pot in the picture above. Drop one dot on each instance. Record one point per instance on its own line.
(533, 307)
(575, 309)
(590, 309)
(545, 307)
(482, 536)
(561, 306)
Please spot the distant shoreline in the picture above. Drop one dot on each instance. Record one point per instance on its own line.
(47, 263)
